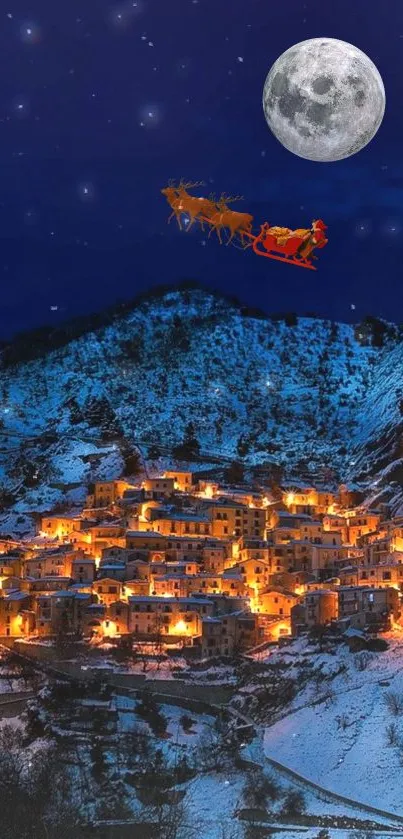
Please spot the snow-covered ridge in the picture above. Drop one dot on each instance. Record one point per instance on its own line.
(297, 395)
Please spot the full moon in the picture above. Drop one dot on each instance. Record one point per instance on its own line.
(324, 99)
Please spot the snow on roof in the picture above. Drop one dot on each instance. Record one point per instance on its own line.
(181, 562)
(86, 561)
(287, 514)
(107, 579)
(71, 516)
(353, 633)
(193, 537)
(331, 548)
(153, 598)
(284, 527)
(78, 586)
(115, 566)
(184, 517)
(16, 595)
(366, 588)
(109, 524)
(146, 533)
(252, 542)
(279, 590)
(227, 502)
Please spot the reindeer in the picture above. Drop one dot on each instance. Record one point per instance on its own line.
(193, 206)
(240, 223)
(171, 194)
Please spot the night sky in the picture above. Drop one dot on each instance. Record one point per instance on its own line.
(102, 103)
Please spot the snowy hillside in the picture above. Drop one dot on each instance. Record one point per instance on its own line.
(378, 438)
(344, 730)
(252, 387)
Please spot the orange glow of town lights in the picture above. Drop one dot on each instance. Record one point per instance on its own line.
(181, 627)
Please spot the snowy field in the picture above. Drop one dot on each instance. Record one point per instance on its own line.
(126, 707)
(341, 743)
(213, 798)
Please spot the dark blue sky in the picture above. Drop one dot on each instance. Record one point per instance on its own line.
(102, 102)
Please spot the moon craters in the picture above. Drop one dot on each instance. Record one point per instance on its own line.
(324, 99)
(322, 84)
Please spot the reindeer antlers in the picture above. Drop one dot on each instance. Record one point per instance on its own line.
(229, 199)
(190, 184)
(224, 198)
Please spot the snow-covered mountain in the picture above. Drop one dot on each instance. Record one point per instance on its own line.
(303, 393)
(378, 438)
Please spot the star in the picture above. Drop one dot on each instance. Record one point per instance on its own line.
(30, 33)
(21, 106)
(150, 116)
(363, 228)
(392, 228)
(86, 191)
(122, 16)
(30, 216)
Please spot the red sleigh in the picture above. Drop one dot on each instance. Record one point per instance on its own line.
(295, 246)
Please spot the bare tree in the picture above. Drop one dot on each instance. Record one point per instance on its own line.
(392, 734)
(362, 660)
(172, 820)
(37, 798)
(394, 703)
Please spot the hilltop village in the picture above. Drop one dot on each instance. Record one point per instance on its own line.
(181, 560)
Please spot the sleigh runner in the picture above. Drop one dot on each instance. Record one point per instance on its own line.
(293, 246)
